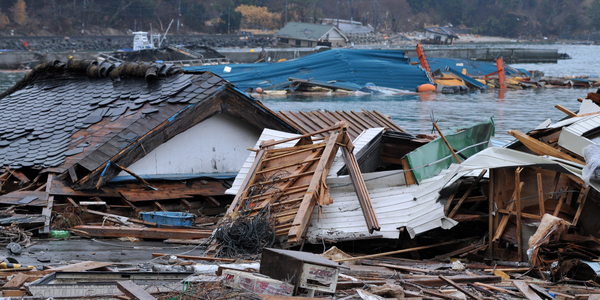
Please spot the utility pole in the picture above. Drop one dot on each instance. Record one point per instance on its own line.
(178, 15)
(338, 14)
(228, 17)
(285, 12)
(83, 18)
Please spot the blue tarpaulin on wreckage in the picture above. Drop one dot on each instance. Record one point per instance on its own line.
(473, 67)
(348, 68)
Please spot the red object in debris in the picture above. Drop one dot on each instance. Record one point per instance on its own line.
(427, 88)
(25, 43)
(259, 90)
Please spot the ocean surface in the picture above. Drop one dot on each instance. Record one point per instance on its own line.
(522, 109)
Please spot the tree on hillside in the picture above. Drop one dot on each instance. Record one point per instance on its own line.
(3, 20)
(257, 17)
(19, 11)
(230, 21)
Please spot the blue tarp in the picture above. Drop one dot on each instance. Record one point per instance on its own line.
(350, 68)
(468, 79)
(473, 67)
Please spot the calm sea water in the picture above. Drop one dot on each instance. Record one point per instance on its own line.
(522, 109)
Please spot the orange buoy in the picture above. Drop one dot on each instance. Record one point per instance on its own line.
(259, 90)
(426, 88)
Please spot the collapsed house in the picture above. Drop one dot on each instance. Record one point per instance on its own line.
(125, 138)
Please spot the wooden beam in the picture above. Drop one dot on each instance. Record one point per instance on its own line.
(410, 179)
(491, 203)
(581, 202)
(16, 282)
(471, 188)
(145, 233)
(541, 197)
(565, 110)
(134, 291)
(136, 176)
(518, 209)
(195, 257)
(401, 251)
(446, 142)
(185, 204)
(459, 287)
(47, 211)
(158, 206)
(504, 220)
(541, 148)
(526, 290)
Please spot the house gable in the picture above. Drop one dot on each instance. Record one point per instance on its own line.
(216, 145)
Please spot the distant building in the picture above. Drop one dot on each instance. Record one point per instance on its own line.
(440, 35)
(348, 26)
(310, 35)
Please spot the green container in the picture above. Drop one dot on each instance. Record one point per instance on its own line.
(59, 234)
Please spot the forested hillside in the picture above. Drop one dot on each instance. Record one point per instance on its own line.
(509, 18)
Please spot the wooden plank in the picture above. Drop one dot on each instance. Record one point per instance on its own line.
(82, 266)
(401, 251)
(16, 282)
(195, 257)
(410, 179)
(133, 290)
(541, 194)
(459, 287)
(504, 220)
(457, 279)
(498, 289)
(560, 202)
(581, 202)
(518, 208)
(541, 148)
(565, 110)
(158, 206)
(447, 143)
(471, 188)
(243, 193)
(145, 233)
(526, 290)
(404, 268)
(47, 212)
(359, 186)
(491, 203)
(307, 205)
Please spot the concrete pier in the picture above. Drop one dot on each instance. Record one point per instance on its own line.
(15, 59)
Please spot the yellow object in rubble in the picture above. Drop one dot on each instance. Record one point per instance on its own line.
(448, 82)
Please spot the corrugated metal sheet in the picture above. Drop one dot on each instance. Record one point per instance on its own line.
(311, 121)
(363, 139)
(396, 205)
(348, 67)
(267, 134)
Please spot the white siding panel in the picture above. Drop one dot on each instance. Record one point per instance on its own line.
(216, 145)
(396, 205)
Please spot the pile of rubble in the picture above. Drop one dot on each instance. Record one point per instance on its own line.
(135, 151)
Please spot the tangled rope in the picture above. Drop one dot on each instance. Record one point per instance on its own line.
(253, 229)
(14, 234)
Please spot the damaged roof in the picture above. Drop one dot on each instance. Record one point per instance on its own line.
(443, 30)
(306, 31)
(85, 113)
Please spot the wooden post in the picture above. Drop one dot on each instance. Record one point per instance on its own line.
(541, 194)
(471, 188)
(491, 198)
(518, 208)
(446, 141)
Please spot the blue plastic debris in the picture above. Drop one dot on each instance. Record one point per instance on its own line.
(169, 218)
